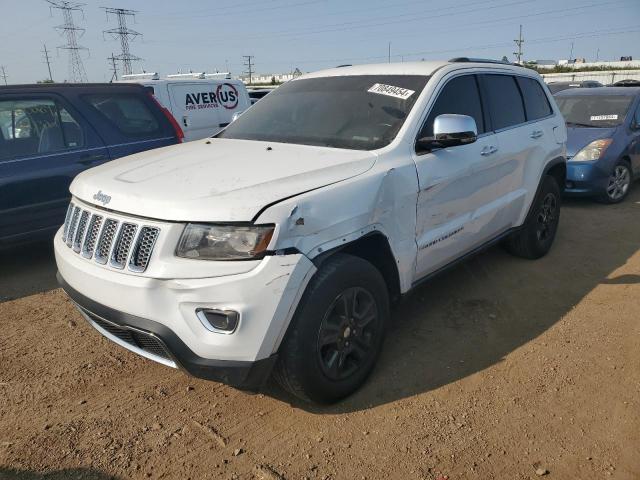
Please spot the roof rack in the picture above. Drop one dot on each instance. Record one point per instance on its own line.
(479, 60)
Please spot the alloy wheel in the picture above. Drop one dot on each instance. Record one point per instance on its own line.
(348, 333)
(547, 216)
(619, 182)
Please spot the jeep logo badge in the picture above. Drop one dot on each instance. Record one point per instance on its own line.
(102, 197)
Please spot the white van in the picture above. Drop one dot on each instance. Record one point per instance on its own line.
(202, 104)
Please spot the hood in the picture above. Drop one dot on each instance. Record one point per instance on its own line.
(580, 137)
(217, 180)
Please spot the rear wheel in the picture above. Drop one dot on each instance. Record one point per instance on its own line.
(337, 332)
(618, 185)
(536, 236)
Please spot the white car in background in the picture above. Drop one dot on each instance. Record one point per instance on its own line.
(281, 243)
(202, 104)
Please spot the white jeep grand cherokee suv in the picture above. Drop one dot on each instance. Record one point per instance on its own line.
(280, 244)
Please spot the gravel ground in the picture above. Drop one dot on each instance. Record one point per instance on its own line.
(501, 368)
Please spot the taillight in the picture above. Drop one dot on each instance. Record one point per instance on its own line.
(172, 120)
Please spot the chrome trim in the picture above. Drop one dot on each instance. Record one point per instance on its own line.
(205, 323)
(134, 251)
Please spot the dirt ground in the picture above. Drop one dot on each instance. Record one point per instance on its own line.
(499, 369)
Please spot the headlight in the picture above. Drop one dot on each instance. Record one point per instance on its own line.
(593, 151)
(224, 242)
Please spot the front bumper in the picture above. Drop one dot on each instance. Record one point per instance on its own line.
(164, 308)
(585, 179)
(157, 342)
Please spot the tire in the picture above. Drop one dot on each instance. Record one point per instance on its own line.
(619, 184)
(326, 356)
(536, 236)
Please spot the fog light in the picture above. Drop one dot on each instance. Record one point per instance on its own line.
(220, 321)
(569, 184)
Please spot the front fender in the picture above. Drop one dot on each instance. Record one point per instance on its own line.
(383, 199)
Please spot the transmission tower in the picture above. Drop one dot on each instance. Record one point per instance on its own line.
(124, 34)
(114, 68)
(3, 74)
(249, 64)
(519, 43)
(45, 52)
(77, 73)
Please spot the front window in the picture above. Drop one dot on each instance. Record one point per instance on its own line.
(362, 112)
(596, 111)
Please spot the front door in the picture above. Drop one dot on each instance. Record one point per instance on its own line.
(458, 185)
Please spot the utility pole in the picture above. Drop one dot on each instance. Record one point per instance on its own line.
(519, 43)
(598, 55)
(45, 52)
(4, 74)
(124, 34)
(248, 63)
(571, 52)
(389, 52)
(77, 73)
(114, 69)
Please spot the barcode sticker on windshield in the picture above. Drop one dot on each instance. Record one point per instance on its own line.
(391, 91)
(603, 117)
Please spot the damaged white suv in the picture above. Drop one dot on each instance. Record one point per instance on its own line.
(280, 244)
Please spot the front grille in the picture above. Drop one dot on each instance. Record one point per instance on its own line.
(144, 247)
(73, 224)
(108, 241)
(92, 236)
(82, 228)
(135, 338)
(123, 244)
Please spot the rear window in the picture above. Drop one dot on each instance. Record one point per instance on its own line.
(536, 103)
(128, 113)
(504, 99)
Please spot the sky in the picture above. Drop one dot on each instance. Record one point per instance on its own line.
(210, 35)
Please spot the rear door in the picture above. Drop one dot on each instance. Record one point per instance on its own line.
(196, 108)
(128, 119)
(44, 143)
(524, 137)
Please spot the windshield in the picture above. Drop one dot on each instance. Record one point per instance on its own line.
(598, 111)
(355, 112)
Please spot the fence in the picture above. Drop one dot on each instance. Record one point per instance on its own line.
(605, 78)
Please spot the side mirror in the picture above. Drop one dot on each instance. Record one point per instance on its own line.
(450, 130)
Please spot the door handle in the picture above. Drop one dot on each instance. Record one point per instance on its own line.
(536, 134)
(488, 150)
(91, 159)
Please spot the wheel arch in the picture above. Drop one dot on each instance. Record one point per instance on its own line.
(375, 248)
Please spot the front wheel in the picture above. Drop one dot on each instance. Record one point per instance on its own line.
(536, 236)
(618, 184)
(336, 333)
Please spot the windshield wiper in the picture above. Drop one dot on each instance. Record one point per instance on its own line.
(579, 124)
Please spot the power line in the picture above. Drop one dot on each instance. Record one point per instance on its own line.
(249, 65)
(3, 74)
(45, 52)
(77, 73)
(519, 41)
(124, 34)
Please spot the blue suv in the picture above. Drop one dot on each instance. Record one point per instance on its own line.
(603, 141)
(51, 132)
